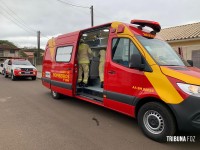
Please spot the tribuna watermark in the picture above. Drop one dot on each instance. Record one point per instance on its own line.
(181, 139)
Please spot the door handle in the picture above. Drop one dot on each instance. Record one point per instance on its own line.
(111, 72)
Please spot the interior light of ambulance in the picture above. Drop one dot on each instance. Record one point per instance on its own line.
(106, 30)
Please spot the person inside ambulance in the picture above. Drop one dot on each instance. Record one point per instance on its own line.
(102, 54)
(84, 55)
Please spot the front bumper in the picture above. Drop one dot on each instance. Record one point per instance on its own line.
(25, 74)
(187, 114)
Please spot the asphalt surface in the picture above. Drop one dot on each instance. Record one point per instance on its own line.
(31, 120)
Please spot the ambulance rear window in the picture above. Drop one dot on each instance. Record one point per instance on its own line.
(63, 54)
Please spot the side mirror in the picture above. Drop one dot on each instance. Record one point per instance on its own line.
(136, 62)
(190, 62)
(1, 65)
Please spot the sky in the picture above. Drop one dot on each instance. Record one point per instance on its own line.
(21, 19)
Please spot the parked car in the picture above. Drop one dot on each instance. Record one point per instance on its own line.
(16, 68)
(1, 68)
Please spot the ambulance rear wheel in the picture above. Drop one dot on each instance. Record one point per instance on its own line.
(55, 95)
(156, 121)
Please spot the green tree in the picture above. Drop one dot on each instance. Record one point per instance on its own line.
(8, 44)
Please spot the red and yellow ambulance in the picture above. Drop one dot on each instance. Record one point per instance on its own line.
(143, 76)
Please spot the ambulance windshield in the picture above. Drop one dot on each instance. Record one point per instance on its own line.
(161, 52)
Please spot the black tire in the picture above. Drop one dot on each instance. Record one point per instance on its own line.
(13, 78)
(33, 78)
(156, 121)
(5, 75)
(55, 95)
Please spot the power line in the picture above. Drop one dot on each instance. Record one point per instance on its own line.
(82, 3)
(74, 5)
(13, 17)
(102, 15)
(43, 36)
(15, 22)
(91, 10)
(99, 14)
(16, 17)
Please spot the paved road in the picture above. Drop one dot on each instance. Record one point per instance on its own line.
(31, 120)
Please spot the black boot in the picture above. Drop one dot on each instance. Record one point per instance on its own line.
(101, 84)
(84, 85)
(80, 84)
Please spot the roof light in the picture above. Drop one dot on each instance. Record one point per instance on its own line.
(152, 24)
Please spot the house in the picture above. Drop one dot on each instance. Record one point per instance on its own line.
(7, 51)
(30, 56)
(185, 39)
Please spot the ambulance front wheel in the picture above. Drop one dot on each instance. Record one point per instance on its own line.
(55, 95)
(156, 121)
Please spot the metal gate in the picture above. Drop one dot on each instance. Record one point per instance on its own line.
(196, 58)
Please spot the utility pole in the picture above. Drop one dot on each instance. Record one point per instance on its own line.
(38, 43)
(92, 15)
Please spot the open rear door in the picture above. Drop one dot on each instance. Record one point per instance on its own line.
(64, 68)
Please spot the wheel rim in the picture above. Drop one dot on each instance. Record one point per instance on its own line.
(54, 94)
(153, 122)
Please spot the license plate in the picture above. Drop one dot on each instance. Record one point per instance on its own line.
(27, 72)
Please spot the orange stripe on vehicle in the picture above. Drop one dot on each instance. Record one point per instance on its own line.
(166, 91)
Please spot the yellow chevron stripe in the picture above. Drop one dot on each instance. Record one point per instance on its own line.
(163, 86)
(52, 44)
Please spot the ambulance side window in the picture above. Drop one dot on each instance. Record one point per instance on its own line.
(122, 49)
(63, 54)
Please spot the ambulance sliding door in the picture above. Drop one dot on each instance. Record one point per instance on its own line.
(62, 70)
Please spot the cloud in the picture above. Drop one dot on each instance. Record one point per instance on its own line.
(52, 17)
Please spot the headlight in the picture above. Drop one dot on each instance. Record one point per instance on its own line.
(34, 69)
(193, 90)
(17, 68)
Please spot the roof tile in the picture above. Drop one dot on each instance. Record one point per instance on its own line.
(188, 31)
